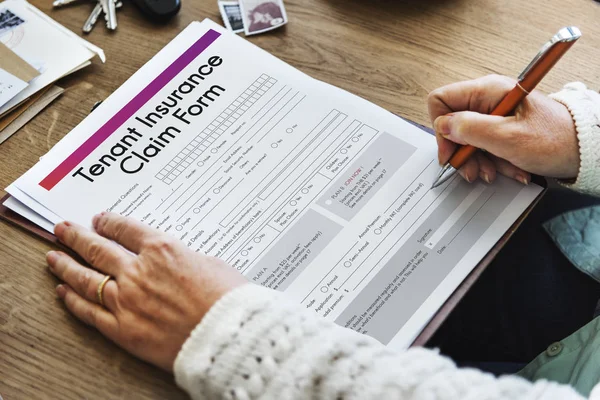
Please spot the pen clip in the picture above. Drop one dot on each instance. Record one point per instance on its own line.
(565, 35)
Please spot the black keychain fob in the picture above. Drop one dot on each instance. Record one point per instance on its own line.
(159, 10)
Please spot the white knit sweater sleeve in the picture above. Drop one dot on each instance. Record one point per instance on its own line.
(255, 344)
(584, 105)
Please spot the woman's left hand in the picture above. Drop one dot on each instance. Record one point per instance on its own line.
(160, 291)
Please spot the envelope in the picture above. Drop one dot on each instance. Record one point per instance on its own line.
(15, 65)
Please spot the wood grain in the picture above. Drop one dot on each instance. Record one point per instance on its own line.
(390, 52)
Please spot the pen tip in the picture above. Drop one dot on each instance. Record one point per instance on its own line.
(445, 173)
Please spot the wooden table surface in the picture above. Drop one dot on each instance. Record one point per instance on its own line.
(390, 52)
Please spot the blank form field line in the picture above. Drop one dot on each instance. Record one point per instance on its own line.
(252, 263)
(302, 151)
(455, 216)
(285, 115)
(173, 192)
(184, 192)
(196, 191)
(409, 186)
(217, 203)
(268, 101)
(276, 112)
(265, 115)
(470, 219)
(327, 274)
(401, 237)
(231, 191)
(201, 197)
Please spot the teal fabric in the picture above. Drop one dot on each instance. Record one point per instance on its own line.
(576, 359)
(577, 234)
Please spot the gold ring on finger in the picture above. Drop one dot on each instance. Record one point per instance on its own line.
(100, 291)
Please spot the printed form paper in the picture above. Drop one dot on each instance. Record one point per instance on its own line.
(10, 86)
(299, 185)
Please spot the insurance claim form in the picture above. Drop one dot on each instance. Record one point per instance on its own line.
(301, 186)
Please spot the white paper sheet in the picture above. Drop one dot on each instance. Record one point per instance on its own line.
(33, 205)
(10, 86)
(299, 185)
(28, 213)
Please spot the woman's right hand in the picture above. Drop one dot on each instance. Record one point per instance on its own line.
(539, 138)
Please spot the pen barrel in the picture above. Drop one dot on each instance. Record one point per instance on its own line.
(460, 157)
(545, 64)
(505, 107)
(510, 101)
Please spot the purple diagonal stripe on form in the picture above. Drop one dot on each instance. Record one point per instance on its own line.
(127, 112)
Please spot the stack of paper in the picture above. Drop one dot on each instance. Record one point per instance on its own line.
(35, 51)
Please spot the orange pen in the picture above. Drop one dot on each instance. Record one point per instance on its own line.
(543, 62)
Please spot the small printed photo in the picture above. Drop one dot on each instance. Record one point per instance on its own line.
(265, 16)
(235, 17)
(232, 15)
(8, 21)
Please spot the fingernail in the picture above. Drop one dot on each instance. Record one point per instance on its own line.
(97, 217)
(467, 177)
(522, 179)
(95, 220)
(59, 228)
(51, 257)
(442, 124)
(486, 178)
(61, 291)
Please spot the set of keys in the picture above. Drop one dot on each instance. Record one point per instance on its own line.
(106, 7)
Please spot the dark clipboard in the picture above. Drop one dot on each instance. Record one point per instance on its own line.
(439, 317)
